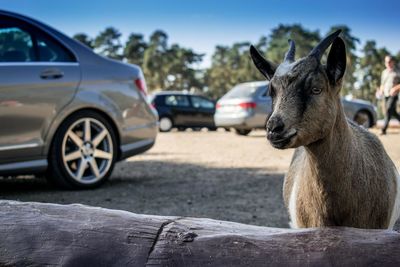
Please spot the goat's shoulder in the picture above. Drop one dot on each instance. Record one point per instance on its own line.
(372, 153)
(381, 177)
(365, 141)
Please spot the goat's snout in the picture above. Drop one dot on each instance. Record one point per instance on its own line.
(275, 126)
(278, 134)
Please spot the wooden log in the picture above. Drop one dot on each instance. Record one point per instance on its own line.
(194, 242)
(37, 234)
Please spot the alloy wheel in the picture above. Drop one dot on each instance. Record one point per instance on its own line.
(87, 150)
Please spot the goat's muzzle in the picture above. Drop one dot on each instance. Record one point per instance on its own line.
(277, 135)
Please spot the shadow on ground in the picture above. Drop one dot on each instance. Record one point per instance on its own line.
(245, 195)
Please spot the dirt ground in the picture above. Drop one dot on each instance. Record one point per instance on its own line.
(218, 175)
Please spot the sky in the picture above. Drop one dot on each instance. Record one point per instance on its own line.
(203, 24)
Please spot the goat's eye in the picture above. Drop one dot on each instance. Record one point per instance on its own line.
(316, 90)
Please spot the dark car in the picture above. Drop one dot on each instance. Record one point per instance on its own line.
(183, 110)
(65, 110)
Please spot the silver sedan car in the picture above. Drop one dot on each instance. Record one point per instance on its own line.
(64, 110)
(246, 106)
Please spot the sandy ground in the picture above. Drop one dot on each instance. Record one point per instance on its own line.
(218, 175)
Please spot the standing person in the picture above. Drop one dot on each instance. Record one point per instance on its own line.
(389, 88)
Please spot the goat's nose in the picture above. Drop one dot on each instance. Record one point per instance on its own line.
(275, 125)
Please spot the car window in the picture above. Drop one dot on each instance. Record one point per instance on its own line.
(199, 102)
(50, 51)
(177, 100)
(16, 45)
(22, 42)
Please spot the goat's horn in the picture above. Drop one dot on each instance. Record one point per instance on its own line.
(319, 50)
(289, 56)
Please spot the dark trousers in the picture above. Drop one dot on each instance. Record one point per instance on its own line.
(390, 105)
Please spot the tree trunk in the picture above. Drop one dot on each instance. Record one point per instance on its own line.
(38, 234)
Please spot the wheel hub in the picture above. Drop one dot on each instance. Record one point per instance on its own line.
(87, 149)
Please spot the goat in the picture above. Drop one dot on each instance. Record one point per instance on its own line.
(340, 174)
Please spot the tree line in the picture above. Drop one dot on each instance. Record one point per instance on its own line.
(172, 67)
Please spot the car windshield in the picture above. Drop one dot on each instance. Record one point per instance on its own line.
(241, 90)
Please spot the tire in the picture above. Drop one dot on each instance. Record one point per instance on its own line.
(242, 131)
(363, 118)
(165, 124)
(212, 129)
(83, 152)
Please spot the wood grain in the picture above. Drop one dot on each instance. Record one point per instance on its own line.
(38, 234)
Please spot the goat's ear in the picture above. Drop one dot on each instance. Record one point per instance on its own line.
(336, 64)
(264, 66)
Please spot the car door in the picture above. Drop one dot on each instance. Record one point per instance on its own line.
(39, 76)
(205, 110)
(180, 108)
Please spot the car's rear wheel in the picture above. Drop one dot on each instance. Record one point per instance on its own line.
(363, 118)
(242, 131)
(165, 124)
(83, 152)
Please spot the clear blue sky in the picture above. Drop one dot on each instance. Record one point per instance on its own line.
(202, 24)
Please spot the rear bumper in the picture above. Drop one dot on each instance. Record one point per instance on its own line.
(229, 121)
(138, 139)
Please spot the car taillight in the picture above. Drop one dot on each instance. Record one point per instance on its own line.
(247, 105)
(141, 85)
(218, 105)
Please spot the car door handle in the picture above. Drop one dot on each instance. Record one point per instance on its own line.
(50, 74)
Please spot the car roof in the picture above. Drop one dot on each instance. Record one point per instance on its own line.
(27, 19)
(9, 13)
(255, 83)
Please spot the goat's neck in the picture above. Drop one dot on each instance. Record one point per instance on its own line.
(334, 151)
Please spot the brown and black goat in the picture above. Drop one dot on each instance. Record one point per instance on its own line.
(340, 174)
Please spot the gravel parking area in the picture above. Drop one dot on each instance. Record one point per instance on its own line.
(218, 175)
